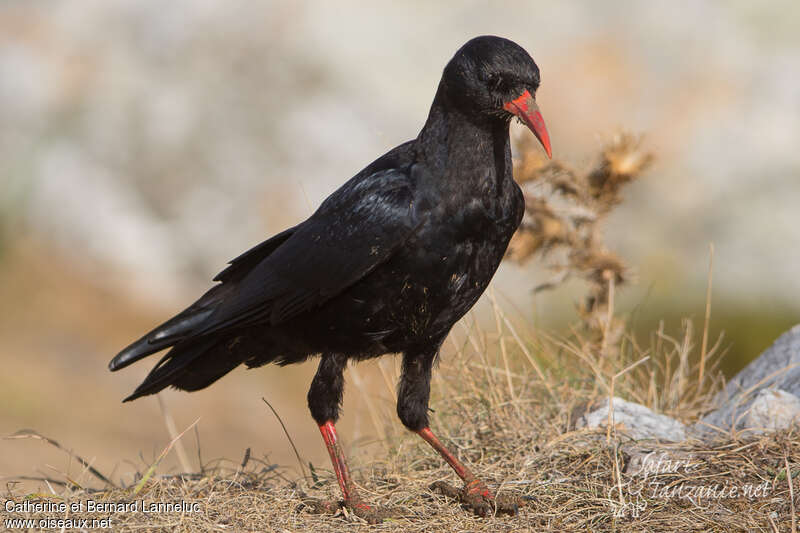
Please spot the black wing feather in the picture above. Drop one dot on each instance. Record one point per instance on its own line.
(244, 263)
(356, 229)
(189, 321)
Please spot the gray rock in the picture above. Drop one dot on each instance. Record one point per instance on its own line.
(768, 379)
(637, 421)
(772, 410)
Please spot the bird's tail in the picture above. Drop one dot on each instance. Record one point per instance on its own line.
(166, 335)
(175, 330)
(189, 366)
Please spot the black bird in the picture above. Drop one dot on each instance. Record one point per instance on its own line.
(387, 264)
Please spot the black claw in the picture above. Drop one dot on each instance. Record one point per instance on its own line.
(445, 489)
(478, 504)
(373, 515)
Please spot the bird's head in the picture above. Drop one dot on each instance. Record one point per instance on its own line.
(497, 79)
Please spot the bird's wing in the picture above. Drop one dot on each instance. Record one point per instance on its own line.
(240, 266)
(356, 229)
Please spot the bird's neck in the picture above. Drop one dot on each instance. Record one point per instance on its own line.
(465, 150)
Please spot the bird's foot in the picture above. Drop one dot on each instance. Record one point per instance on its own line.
(371, 513)
(476, 497)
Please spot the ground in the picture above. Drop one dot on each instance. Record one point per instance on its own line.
(517, 431)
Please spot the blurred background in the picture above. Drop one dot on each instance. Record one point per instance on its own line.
(144, 143)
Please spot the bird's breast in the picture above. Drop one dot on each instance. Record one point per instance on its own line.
(433, 279)
(450, 262)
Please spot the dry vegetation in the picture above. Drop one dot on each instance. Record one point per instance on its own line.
(565, 208)
(507, 399)
(518, 432)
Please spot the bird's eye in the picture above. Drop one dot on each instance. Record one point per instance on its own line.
(499, 84)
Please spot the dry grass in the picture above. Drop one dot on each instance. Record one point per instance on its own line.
(565, 211)
(507, 401)
(517, 431)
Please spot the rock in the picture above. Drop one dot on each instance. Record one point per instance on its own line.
(636, 420)
(772, 410)
(769, 378)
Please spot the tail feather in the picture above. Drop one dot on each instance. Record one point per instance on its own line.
(199, 357)
(195, 360)
(179, 328)
(167, 334)
(179, 366)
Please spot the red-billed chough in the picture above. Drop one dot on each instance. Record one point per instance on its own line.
(387, 264)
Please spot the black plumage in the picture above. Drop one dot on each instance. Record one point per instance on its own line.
(388, 263)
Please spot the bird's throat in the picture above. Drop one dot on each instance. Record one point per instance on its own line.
(464, 151)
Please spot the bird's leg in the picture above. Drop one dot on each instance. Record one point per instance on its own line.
(412, 408)
(349, 492)
(324, 400)
(475, 495)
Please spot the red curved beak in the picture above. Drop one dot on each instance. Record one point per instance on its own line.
(526, 109)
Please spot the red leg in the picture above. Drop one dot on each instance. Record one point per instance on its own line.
(463, 472)
(351, 496)
(475, 494)
(352, 499)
